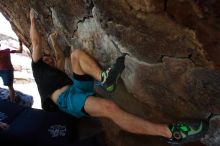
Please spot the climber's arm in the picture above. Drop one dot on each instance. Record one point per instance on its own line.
(35, 38)
(59, 56)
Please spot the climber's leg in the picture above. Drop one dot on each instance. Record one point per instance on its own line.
(131, 123)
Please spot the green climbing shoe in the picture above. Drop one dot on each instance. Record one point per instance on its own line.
(112, 74)
(187, 132)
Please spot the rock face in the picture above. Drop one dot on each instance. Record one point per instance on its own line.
(212, 137)
(172, 71)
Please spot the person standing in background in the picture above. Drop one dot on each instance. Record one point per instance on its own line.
(7, 70)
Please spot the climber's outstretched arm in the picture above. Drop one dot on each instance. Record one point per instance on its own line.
(35, 38)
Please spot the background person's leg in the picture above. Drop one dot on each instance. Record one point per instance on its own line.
(131, 123)
(35, 38)
(8, 78)
(11, 93)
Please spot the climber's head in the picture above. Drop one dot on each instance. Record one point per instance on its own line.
(48, 60)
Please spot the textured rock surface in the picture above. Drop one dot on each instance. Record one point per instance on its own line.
(212, 138)
(172, 72)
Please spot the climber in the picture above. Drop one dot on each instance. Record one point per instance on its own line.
(76, 97)
(7, 71)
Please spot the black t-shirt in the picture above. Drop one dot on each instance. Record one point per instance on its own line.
(48, 79)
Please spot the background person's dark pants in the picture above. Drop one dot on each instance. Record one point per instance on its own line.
(37, 127)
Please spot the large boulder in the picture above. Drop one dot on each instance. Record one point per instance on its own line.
(172, 70)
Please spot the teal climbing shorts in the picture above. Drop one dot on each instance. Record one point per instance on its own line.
(72, 100)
